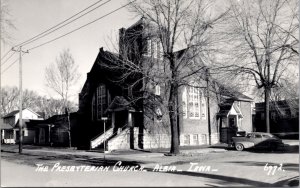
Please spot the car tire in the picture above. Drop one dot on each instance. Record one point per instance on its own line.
(239, 147)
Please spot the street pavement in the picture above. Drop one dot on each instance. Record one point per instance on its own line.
(202, 167)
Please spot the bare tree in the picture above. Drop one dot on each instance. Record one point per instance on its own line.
(9, 100)
(6, 23)
(62, 75)
(262, 43)
(32, 100)
(183, 31)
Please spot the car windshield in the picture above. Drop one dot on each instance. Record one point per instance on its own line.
(269, 136)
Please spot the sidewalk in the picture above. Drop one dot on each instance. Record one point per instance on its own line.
(240, 162)
(147, 158)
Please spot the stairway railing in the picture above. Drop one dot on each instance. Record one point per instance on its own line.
(98, 140)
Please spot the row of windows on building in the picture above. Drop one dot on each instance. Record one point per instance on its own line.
(193, 102)
(194, 139)
(154, 48)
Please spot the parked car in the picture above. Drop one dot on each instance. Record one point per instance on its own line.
(257, 140)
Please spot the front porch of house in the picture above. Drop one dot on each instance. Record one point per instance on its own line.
(230, 120)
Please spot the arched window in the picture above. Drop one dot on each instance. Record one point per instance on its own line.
(194, 103)
(99, 102)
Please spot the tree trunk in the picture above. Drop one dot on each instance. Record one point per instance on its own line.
(172, 105)
(267, 108)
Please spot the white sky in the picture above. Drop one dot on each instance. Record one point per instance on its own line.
(32, 17)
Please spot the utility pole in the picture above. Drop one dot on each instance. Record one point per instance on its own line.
(69, 126)
(20, 98)
(104, 119)
(208, 108)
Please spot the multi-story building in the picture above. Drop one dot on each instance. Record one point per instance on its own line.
(133, 96)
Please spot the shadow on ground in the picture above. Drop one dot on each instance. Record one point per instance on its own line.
(68, 159)
(221, 179)
(285, 166)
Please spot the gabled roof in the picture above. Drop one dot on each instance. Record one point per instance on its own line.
(229, 93)
(5, 125)
(13, 113)
(227, 107)
(118, 104)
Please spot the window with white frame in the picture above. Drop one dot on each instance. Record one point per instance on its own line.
(184, 103)
(195, 139)
(194, 103)
(186, 139)
(160, 50)
(154, 49)
(157, 90)
(148, 47)
(203, 106)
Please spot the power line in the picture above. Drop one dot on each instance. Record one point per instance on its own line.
(8, 58)
(9, 66)
(53, 29)
(81, 26)
(27, 41)
(6, 54)
(72, 31)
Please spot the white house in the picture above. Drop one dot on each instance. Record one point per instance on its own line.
(10, 127)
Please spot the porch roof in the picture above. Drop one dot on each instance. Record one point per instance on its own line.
(228, 108)
(119, 104)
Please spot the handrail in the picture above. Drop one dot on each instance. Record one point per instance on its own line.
(95, 137)
(104, 136)
(120, 128)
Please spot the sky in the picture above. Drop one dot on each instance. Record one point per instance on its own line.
(32, 17)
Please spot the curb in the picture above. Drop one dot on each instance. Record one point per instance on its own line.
(203, 151)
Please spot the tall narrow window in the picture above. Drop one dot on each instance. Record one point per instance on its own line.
(195, 139)
(148, 52)
(101, 100)
(157, 90)
(160, 50)
(194, 103)
(203, 106)
(184, 103)
(154, 48)
(94, 109)
(186, 139)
